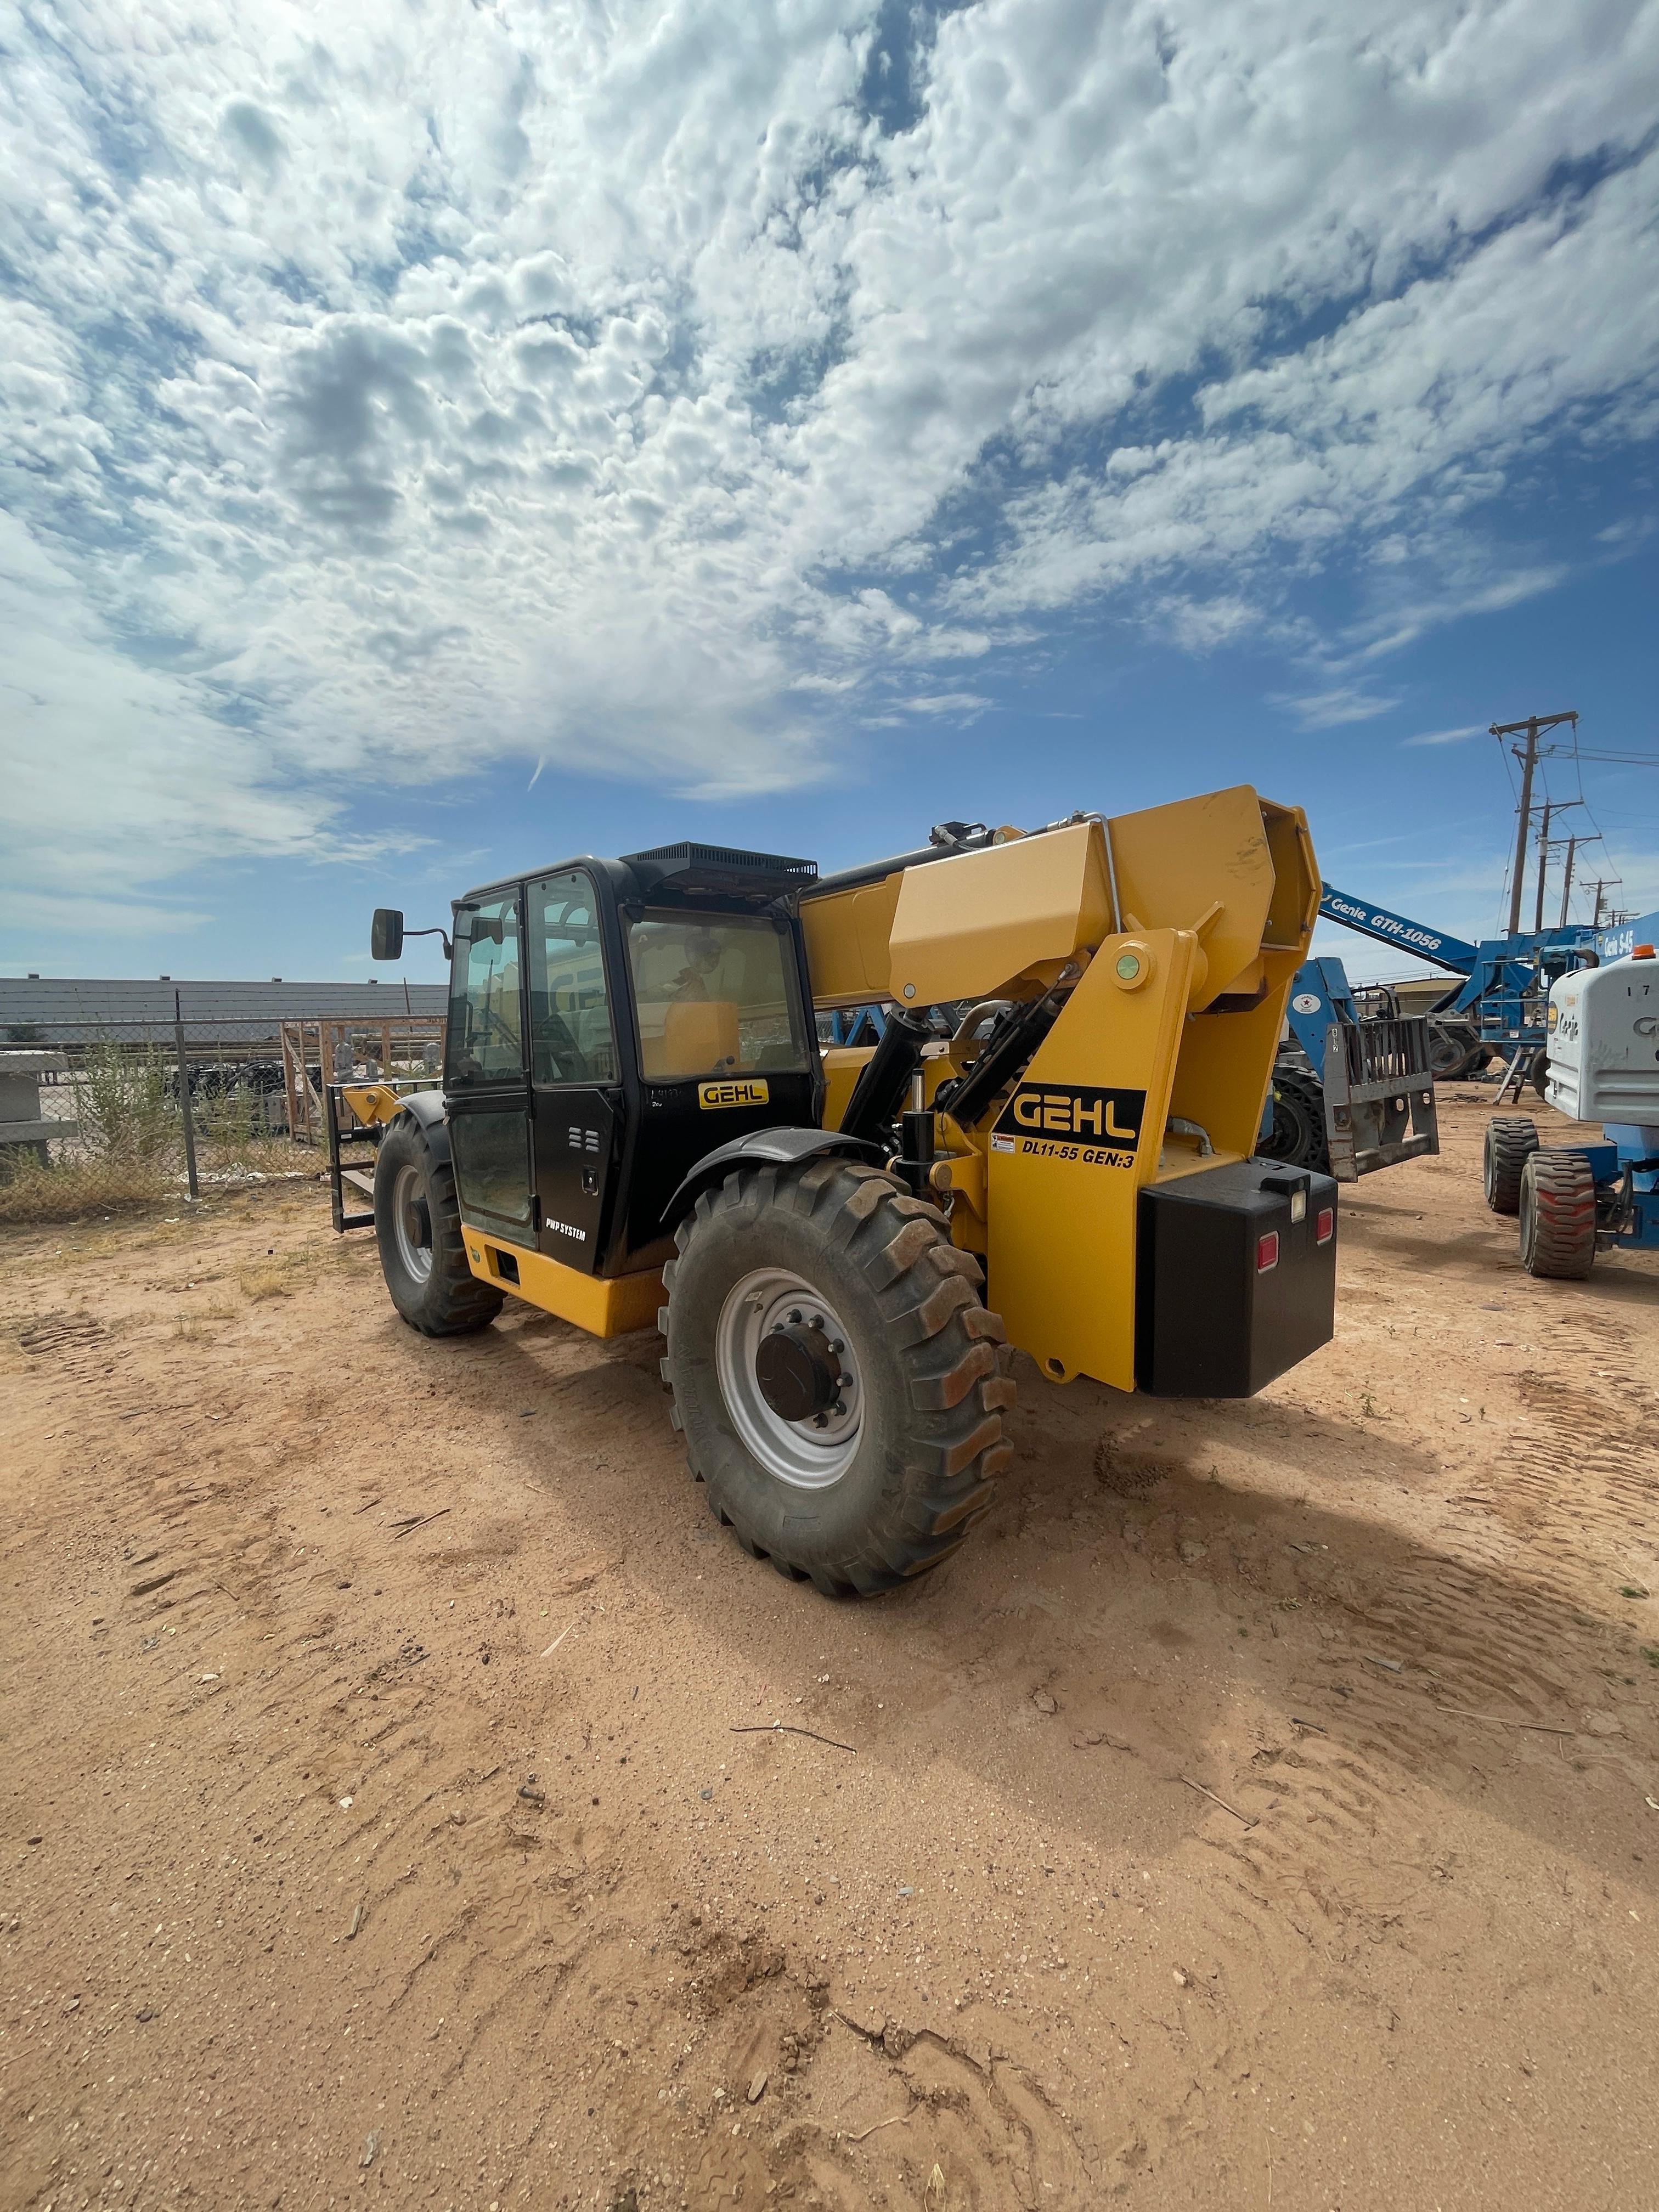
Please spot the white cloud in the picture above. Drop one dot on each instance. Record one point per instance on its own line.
(1330, 710)
(390, 393)
(1447, 737)
(970, 703)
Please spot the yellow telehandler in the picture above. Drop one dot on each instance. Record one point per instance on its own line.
(1049, 1147)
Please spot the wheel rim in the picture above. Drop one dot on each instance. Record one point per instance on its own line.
(801, 1453)
(412, 1222)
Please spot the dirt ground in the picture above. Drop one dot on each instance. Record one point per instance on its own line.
(1261, 1810)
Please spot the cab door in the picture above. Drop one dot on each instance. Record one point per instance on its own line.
(486, 1075)
(575, 1077)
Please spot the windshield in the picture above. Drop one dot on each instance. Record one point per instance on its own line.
(715, 995)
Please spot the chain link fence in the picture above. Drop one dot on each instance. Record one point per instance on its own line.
(97, 1120)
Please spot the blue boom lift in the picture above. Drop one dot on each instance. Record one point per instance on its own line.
(1495, 1000)
(1499, 999)
(1590, 1194)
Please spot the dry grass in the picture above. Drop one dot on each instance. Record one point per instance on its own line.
(274, 1280)
(88, 1184)
(70, 1189)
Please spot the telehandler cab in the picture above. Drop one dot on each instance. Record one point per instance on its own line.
(638, 1123)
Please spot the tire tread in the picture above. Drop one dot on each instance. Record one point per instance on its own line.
(951, 1349)
(1558, 1236)
(1511, 1139)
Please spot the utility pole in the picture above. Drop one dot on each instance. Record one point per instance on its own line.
(1552, 806)
(1528, 758)
(1573, 843)
(1606, 916)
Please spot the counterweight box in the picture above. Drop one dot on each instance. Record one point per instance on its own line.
(1235, 1278)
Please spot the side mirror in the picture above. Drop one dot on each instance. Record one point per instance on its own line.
(386, 937)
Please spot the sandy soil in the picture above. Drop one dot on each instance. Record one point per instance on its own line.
(1262, 1810)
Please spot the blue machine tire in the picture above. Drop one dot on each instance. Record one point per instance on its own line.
(1511, 1141)
(1455, 1050)
(1297, 1135)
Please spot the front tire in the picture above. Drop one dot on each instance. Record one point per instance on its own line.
(417, 1226)
(1558, 1216)
(882, 1477)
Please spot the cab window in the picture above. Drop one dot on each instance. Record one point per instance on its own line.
(571, 1038)
(486, 1034)
(715, 995)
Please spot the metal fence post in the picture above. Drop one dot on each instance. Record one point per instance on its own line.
(184, 1097)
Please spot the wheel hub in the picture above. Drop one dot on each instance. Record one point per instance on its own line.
(789, 1378)
(412, 1222)
(797, 1374)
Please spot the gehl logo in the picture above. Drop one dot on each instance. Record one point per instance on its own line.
(752, 1093)
(1078, 1113)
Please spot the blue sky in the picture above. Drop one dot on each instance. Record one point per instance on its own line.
(434, 441)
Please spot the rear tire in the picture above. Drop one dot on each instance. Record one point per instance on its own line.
(895, 1489)
(1511, 1139)
(1558, 1216)
(416, 1217)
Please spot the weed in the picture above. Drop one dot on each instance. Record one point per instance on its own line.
(124, 1101)
(265, 1282)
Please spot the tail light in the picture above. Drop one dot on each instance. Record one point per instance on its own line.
(1325, 1227)
(1267, 1252)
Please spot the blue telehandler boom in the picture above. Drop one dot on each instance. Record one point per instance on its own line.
(1500, 998)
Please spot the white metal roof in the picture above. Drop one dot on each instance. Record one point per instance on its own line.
(72, 1009)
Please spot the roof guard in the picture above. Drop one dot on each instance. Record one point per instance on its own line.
(720, 871)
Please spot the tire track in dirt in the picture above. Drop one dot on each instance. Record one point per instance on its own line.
(464, 1988)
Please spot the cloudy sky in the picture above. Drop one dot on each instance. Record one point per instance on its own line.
(438, 438)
